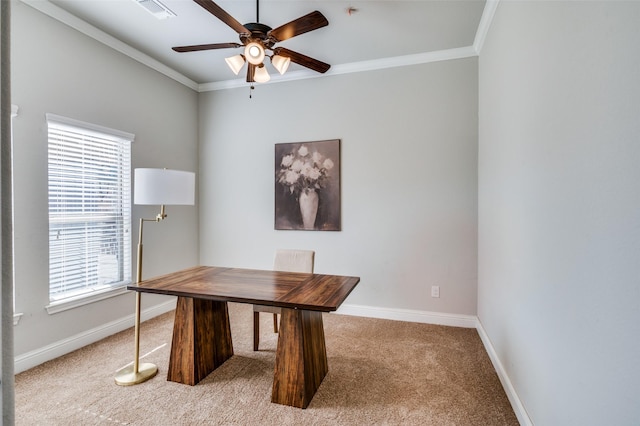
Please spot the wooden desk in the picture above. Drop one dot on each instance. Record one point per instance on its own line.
(202, 335)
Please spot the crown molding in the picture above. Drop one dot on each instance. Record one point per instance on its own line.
(485, 23)
(74, 22)
(354, 67)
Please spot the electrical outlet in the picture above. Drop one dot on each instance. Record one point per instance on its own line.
(435, 291)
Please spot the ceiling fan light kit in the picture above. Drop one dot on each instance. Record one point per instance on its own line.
(257, 38)
(261, 75)
(281, 63)
(235, 63)
(254, 52)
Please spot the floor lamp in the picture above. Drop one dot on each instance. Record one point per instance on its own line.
(153, 187)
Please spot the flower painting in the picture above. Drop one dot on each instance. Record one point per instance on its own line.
(307, 185)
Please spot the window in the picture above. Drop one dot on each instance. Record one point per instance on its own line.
(89, 209)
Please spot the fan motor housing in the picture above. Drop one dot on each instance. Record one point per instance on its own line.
(258, 32)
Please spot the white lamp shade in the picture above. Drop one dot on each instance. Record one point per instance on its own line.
(164, 187)
(281, 63)
(235, 63)
(261, 75)
(254, 52)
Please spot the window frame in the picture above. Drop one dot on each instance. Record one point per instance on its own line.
(110, 289)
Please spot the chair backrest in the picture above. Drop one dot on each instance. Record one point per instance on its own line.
(294, 260)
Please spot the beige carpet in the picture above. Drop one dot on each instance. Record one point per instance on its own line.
(380, 372)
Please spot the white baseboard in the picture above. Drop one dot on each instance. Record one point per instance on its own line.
(425, 317)
(36, 357)
(438, 318)
(516, 403)
(57, 349)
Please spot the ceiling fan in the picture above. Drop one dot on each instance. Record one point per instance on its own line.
(257, 38)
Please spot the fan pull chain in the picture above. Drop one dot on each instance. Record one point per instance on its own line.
(251, 90)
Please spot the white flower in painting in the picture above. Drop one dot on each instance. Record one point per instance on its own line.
(287, 160)
(311, 173)
(291, 177)
(301, 171)
(306, 167)
(317, 157)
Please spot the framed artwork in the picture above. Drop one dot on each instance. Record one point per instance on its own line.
(307, 185)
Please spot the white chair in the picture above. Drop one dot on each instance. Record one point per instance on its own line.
(287, 261)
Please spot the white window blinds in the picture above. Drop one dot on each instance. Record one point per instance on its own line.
(89, 208)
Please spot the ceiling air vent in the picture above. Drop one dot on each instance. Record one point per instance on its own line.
(156, 8)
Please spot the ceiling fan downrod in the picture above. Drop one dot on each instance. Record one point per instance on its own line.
(257, 10)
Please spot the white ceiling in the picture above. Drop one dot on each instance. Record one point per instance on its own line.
(375, 31)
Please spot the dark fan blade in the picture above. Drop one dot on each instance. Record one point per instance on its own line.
(251, 70)
(304, 24)
(303, 60)
(206, 47)
(219, 13)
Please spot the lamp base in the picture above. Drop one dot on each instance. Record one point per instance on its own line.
(127, 377)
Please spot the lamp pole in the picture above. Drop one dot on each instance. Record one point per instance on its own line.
(153, 187)
(138, 373)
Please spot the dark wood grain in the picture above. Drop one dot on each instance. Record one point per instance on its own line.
(251, 72)
(201, 339)
(210, 46)
(303, 60)
(222, 15)
(301, 358)
(326, 291)
(314, 292)
(304, 24)
(256, 321)
(202, 335)
(256, 330)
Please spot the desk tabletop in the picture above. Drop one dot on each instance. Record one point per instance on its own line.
(314, 292)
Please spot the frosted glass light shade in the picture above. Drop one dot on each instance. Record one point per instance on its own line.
(254, 52)
(281, 63)
(164, 187)
(261, 75)
(235, 63)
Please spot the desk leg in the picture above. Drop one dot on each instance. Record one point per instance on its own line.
(201, 339)
(301, 358)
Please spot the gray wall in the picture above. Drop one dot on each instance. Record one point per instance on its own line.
(57, 70)
(559, 207)
(409, 189)
(546, 207)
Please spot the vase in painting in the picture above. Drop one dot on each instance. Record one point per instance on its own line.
(308, 208)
